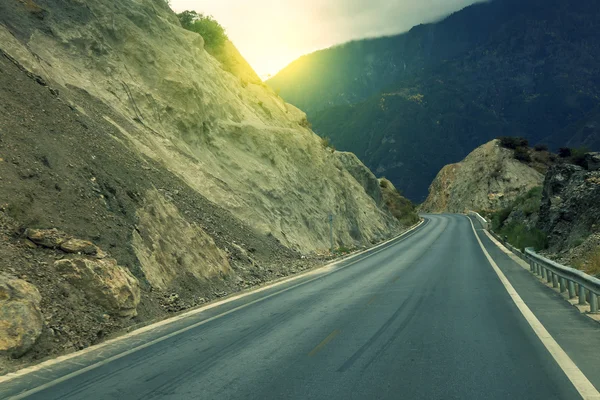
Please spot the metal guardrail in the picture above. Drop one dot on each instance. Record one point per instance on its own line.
(578, 284)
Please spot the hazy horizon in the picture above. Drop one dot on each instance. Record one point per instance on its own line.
(278, 32)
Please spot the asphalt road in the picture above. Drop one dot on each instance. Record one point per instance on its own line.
(423, 318)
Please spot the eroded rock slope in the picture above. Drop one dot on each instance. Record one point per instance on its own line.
(166, 175)
(489, 178)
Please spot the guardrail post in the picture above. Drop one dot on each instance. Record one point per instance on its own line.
(543, 273)
(572, 293)
(549, 275)
(593, 302)
(563, 285)
(554, 280)
(531, 265)
(582, 301)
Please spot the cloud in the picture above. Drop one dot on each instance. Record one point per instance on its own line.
(272, 33)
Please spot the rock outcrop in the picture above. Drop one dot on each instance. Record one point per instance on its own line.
(103, 281)
(21, 321)
(162, 242)
(489, 178)
(399, 206)
(362, 174)
(570, 208)
(55, 239)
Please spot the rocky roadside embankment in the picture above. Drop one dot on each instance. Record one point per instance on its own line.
(138, 178)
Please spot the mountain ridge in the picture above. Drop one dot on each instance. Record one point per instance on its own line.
(535, 75)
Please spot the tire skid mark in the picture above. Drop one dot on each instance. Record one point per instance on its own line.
(375, 336)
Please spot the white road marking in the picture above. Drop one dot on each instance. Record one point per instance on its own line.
(577, 378)
(98, 364)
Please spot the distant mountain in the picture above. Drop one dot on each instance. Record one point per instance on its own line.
(528, 68)
(352, 72)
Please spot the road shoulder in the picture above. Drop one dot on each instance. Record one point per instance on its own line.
(576, 334)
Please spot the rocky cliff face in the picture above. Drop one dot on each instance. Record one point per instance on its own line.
(234, 142)
(489, 178)
(570, 208)
(362, 174)
(190, 181)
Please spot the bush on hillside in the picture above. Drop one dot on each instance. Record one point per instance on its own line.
(516, 232)
(513, 143)
(305, 123)
(522, 237)
(499, 217)
(541, 147)
(326, 143)
(522, 154)
(564, 152)
(213, 33)
(573, 156)
(578, 157)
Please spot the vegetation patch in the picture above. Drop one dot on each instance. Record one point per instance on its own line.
(520, 236)
(518, 233)
(206, 26)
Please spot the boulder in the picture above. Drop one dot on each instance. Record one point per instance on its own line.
(570, 208)
(592, 161)
(104, 282)
(51, 238)
(21, 321)
(83, 247)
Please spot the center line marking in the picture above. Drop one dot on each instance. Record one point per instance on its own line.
(328, 339)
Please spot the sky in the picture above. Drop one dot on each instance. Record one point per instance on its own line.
(272, 33)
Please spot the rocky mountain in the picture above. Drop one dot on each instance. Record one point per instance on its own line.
(490, 178)
(140, 176)
(570, 207)
(526, 68)
(561, 218)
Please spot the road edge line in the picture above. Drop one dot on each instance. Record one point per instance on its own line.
(26, 371)
(581, 383)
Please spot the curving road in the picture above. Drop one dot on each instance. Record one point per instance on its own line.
(424, 317)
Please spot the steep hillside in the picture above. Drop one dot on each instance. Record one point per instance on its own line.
(562, 218)
(140, 177)
(489, 178)
(534, 73)
(570, 207)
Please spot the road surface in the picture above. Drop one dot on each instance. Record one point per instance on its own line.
(425, 317)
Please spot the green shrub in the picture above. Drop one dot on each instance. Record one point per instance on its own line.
(343, 250)
(326, 143)
(593, 267)
(305, 123)
(513, 143)
(213, 33)
(564, 152)
(522, 154)
(541, 147)
(521, 237)
(499, 217)
(530, 202)
(578, 157)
